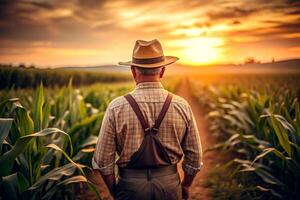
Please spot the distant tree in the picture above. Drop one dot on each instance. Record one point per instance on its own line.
(17, 77)
(251, 60)
(22, 65)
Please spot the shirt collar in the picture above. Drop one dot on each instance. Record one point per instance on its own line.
(152, 85)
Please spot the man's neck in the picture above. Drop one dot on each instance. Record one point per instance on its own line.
(148, 79)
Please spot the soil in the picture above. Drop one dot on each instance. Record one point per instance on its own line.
(210, 159)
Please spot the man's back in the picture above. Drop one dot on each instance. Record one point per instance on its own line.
(122, 132)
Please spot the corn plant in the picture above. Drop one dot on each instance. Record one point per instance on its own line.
(34, 160)
(260, 127)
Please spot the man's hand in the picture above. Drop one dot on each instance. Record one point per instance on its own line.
(185, 192)
(186, 183)
(110, 182)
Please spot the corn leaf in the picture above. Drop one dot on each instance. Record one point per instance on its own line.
(282, 135)
(55, 189)
(5, 124)
(54, 175)
(7, 159)
(267, 177)
(24, 121)
(38, 109)
(14, 185)
(82, 124)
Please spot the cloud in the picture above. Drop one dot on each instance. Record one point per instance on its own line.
(43, 5)
(289, 27)
(231, 12)
(114, 25)
(91, 4)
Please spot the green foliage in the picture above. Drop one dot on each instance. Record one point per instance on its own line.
(16, 77)
(47, 143)
(257, 121)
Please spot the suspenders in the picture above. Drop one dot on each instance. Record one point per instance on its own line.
(141, 118)
(151, 153)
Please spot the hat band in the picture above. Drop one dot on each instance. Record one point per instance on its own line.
(148, 60)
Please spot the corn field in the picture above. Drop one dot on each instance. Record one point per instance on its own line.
(257, 121)
(48, 138)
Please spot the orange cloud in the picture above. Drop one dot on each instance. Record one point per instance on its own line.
(99, 32)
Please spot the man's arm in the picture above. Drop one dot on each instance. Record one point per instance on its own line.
(192, 149)
(104, 155)
(109, 180)
(186, 183)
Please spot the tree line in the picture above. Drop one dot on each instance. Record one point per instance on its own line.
(31, 77)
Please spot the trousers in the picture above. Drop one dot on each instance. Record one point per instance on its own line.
(148, 184)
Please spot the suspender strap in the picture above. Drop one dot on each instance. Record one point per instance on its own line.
(162, 113)
(138, 112)
(140, 116)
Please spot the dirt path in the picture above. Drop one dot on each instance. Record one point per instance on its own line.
(197, 190)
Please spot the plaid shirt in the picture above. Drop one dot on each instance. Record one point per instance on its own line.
(122, 133)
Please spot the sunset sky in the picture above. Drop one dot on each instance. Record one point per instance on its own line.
(92, 32)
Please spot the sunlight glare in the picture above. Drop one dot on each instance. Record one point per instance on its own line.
(195, 51)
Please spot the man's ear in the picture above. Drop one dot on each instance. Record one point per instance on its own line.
(133, 71)
(162, 72)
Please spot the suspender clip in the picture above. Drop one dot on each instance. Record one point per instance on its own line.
(155, 130)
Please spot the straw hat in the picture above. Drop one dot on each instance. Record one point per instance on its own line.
(149, 54)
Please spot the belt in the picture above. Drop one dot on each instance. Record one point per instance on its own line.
(147, 173)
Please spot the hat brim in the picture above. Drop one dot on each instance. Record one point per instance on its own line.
(167, 61)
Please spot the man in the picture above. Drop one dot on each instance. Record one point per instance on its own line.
(150, 129)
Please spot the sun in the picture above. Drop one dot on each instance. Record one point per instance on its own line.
(198, 51)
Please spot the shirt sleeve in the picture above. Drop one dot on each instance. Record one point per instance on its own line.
(192, 148)
(104, 155)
